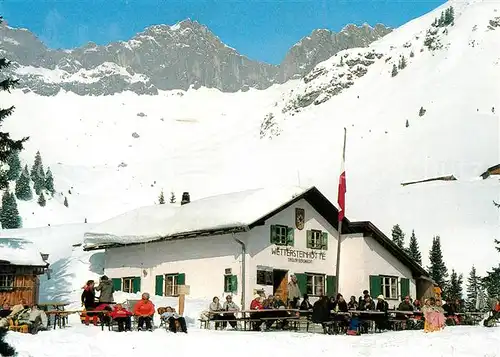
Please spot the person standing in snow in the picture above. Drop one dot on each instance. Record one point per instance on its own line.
(106, 288)
(294, 293)
(88, 301)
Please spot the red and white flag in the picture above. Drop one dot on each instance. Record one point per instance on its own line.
(342, 188)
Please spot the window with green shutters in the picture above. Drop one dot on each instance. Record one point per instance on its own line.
(317, 239)
(282, 235)
(384, 285)
(128, 285)
(117, 284)
(159, 284)
(375, 286)
(315, 284)
(172, 282)
(405, 287)
(230, 283)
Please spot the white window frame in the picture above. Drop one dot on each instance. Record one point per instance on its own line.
(316, 239)
(315, 284)
(281, 235)
(171, 285)
(390, 287)
(7, 281)
(130, 282)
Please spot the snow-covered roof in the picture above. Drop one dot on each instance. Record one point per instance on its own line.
(19, 251)
(226, 211)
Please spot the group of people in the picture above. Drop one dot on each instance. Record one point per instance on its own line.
(104, 309)
(23, 314)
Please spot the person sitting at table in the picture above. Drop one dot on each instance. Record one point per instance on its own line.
(321, 313)
(256, 304)
(368, 304)
(172, 318)
(5, 311)
(362, 299)
(215, 308)
(275, 303)
(38, 320)
(381, 322)
(16, 309)
(230, 305)
(352, 304)
(88, 301)
(122, 317)
(406, 305)
(306, 305)
(340, 304)
(144, 309)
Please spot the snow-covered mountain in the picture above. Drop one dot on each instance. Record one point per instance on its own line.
(435, 115)
(164, 57)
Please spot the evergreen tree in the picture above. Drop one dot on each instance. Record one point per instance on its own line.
(398, 237)
(473, 290)
(14, 165)
(172, 197)
(413, 249)
(421, 112)
(161, 198)
(402, 62)
(41, 200)
(491, 282)
(407, 123)
(412, 54)
(9, 216)
(7, 144)
(66, 201)
(394, 70)
(49, 182)
(437, 269)
(454, 289)
(37, 172)
(23, 188)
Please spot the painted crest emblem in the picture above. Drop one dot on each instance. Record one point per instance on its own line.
(300, 217)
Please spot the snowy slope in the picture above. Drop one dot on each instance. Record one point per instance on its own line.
(207, 142)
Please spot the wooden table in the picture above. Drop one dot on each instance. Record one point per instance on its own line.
(55, 309)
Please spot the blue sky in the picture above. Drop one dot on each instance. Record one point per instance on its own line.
(260, 29)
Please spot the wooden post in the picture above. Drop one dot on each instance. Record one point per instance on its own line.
(183, 291)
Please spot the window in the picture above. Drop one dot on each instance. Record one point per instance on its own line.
(264, 277)
(390, 287)
(128, 285)
(281, 235)
(317, 239)
(315, 284)
(172, 284)
(6, 281)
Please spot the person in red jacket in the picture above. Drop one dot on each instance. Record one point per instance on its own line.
(256, 304)
(144, 309)
(122, 317)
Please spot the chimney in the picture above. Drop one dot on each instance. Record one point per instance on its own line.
(185, 198)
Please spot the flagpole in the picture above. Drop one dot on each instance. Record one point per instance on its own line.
(337, 267)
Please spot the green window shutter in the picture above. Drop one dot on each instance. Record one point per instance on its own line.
(331, 284)
(324, 240)
(302, 282)
(309, 239)
(117, 284)
(234, 284)
(375, 286)
(181, 279)
(405, 287)
(273, 234)
(159, 285)
(289, 236)
(136, 284)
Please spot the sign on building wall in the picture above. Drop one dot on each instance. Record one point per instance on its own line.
(297, 255)
(300, 218)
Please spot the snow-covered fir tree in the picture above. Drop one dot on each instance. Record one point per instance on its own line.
(394, 72)
(66, 201)
(454, 289)
(413, 249)
(7, 144)
(49, 182)
(161, 198)
(23, 188)
(14, 166)
(41, 199)
(437, 268)
(398, 237)
(473, 289)
(173, 199)
(9, 216)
